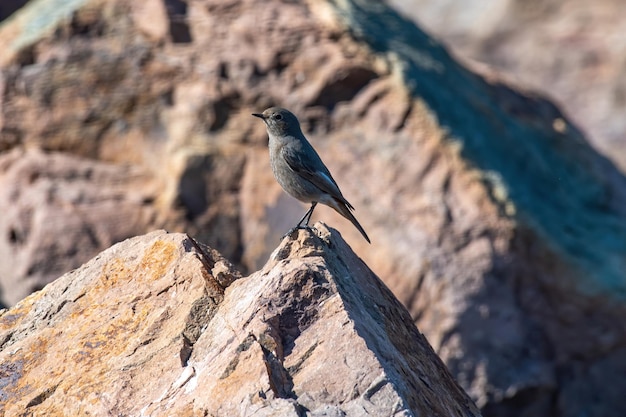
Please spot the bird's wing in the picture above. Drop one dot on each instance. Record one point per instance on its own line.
(313, 170)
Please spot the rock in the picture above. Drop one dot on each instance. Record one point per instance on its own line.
(484, 204)
(160, 325)
(58, 209)
(492, 219)
(572, 50)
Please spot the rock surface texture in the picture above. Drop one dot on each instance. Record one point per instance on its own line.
(572, 50)
(492, 219)
(59, 208)
(158, 325)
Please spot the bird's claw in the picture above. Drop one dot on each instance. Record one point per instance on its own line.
(293, 229)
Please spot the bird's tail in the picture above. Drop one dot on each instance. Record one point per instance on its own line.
(344, 210)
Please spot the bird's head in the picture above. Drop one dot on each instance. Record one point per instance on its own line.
(280, 121)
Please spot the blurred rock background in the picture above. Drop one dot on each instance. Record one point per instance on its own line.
(573, 51)
(495, 222)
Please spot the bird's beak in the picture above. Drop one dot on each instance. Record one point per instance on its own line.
(259, 115)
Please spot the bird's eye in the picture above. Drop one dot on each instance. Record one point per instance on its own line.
(278, 117)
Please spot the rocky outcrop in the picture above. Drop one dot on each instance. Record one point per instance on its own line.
(572, 50)
(159, 325)
(492, 219)
(58, 209)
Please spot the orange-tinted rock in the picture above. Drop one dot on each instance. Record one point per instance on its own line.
(158, 325)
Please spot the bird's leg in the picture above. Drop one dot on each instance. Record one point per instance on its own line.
(307, 217)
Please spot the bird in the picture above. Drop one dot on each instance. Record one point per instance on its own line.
(299, 169)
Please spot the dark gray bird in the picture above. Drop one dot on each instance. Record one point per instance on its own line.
(299, 169)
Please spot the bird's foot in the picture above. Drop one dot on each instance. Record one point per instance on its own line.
(293, 229)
